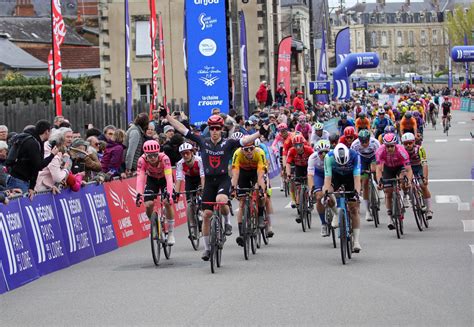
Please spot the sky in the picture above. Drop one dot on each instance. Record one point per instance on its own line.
(350, 3)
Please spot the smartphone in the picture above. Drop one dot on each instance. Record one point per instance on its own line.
(52, 144)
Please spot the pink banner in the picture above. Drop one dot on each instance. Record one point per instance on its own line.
(154, 56)
(162, 56)
(284, 64)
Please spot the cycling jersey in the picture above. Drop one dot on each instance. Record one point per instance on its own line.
(299, 159)
(408, 125)
(366, 152)
(215, 157)
(160, 171)
(417, 155)
(398, 158)
(351, 168)
(344, 141)
(257, 162)
(278, 142)
(446, 108)
(195, 170)
(341, 126)
(305, 131)
(362, 124)
(315, 138)
(289, 144)
(380, 124)
(315, 165)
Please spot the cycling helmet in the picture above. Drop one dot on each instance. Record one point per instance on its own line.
(390, 139)
(408, 137)
(215, 120)
(349, 131)
(343, 115)
(237, 136)
(282, 126)
(318, 126)
(386, 107)
(408, 115)
(151, 146)
(389, 129)
(364, 135)
(362, 115)
(257, 142)
(423, 96)
(322, 145)
(341, 154)
(446, 98)
(333, 137)
(416, 114)
(298, 139)
(302, 119)
(417, 102)
(369, 105)
(185, 147)
(381, 111)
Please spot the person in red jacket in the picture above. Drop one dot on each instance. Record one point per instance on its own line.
(262, 94)
(298, 102)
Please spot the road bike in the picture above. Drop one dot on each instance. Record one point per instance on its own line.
(432, 117)
(418, 204)
(302, 194)
(217, 235)
(250, 231)
(446, 124)
(398, 208)
(374, 198)
(194, 216)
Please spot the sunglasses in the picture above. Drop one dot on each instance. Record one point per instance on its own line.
(152, 155)
(409, 143)
(248, 148)
(215, 128)
(364, 141)
(323, 152)
(299, 145)
(389, 146)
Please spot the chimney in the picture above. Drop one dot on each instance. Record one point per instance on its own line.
(24, 8)
(407, 2)
(381, 2)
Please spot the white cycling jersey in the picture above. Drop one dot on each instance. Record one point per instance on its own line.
(315, 164)
(315, 138)
(367, 152)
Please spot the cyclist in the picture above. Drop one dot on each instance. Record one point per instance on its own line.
(419, 122)
(418, 107)
(380, 122)
(318, 133)
(303, 127)
(298, 156)
(388, 129)
(215, 154)
(342, 167)
(154, 175)
(366, 146)
(446, 106)
(316, 179)
(277, 147)
(419, 166)
(344, 122)
(268, 199)
(248, 169)
(362, 122)
(349, 136)
(189, 170)
(408, 124)
(392, 161)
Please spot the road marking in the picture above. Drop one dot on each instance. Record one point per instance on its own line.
(465, 140)
(450, 180)
(276, 188)
(441, 140)
(472, 248)
(468, 225)
(462, 206)
(461, 122)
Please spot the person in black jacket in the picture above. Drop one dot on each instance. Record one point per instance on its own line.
(31, 160)
(171, 147)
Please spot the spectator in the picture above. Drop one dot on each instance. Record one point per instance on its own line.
(241, 122)
(3, 153)
(76, 135)
(65, 123)
(3, 133)
(269, 101)
(262, 94)
(150, 133)
(215, 111)
(281, 95)
(171, 148)
(93, 132)
(84, 159)
(169, 132)
(298, 102)
(94, 143)
(58, 120)
(68, 134)
(108, 133)
(157, 123)
(249, 127)
(30, 160)
(113, 155)
(134, 142)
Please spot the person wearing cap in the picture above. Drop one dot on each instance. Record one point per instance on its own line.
(169, 132)
(298, 102)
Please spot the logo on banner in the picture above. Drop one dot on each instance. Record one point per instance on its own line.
(77, 233)
(99, 219)
(119, 201)
(206, 2)
(206, 21)
(207, 47)
(208, 75)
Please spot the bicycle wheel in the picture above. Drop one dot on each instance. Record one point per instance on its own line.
(286, 187)
(219, 241)
(155, 239)
(193, 225)
(342, 234)
(165, 246)
(302, 211)
(254, 233)
(213, 244)
(329, 217)
(349, 237)
(308, 212)
(373, 203)
(396, 212)
(263, 231)
(416, 209)
(424, 218)
(245, 229)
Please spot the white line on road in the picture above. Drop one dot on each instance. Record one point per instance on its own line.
(468, 225)
(465, 140)
(450, 180)
(472, 248)
(462, 206)
(276, 188)
(441, 140)
(461, 122)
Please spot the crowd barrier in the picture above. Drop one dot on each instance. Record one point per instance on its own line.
(53, 232)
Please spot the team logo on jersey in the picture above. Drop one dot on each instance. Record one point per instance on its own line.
(214, 161)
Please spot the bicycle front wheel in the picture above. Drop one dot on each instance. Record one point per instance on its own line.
(213, 244)
(342, 234)
(308, 212)
(164, 240)
(416, 209)
(155, 239)
(246, 230)
(396, 212)
(302, 211)
(193, 226)
(329, 217)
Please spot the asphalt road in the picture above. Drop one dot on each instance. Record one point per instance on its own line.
(426, 278)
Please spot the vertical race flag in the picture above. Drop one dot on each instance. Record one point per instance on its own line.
(284, 64)
(128, 76)
(450, 70)
(323, 68)
(58, 30)
(206, 38)
(154, 60)
(466, 65)
(343, 44)
(244, 64)
(162, 56)
(185, 49)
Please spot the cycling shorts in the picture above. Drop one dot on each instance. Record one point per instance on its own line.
(340, 180)
(365, 164)
(154, 185)
(214, 185)
(417, 170)
(390, 173)
(301, 171)
(318, 180)
(191, 183)
(247, 179)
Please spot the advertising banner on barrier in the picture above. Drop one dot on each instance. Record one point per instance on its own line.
(44, 233)
(130, 192)
(99, 219)
(274, 166)
(3, 283)
(16, 258)
(72, 217)
(455, 103)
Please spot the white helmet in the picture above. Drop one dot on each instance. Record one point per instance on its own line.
(341, 154)
(381, 111)
(257, 143)
(408, 137)
(318, 126)
(237, 136)
(185, 147)
(322, 145)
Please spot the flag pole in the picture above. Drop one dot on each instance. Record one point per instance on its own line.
(54, 60)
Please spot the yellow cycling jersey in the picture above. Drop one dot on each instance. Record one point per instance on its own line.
(258, 160)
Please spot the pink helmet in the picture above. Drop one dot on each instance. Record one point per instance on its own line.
(151, 146)
(390, 138)
(282, 126)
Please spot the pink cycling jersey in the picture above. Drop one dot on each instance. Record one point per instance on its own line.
(398, 158)
(278, 142)
(162, 169)
(306, 130)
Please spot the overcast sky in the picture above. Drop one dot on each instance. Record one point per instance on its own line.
(350, 3)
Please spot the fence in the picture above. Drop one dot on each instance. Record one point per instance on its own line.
(16, 115)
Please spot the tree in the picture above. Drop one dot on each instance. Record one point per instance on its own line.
(405, 58)
(460, 23)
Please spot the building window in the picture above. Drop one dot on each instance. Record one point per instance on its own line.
(424, 57)
(358, 40)
(423, 37)
(145, 93)
(399, 56)
(373, 39)
(410, 39)
(435, 37)
(384, 56)
(142, 39)
(384, 39)
(399, 38)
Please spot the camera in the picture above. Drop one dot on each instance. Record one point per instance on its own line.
(53, 143)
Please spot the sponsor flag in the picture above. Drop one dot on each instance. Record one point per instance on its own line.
(343, 44)
(185, 50)
(154, 56)
(58, 29)
(466, 65)
(128, 76)
(244, 64)
(323, 68)
(450, 71)
(284, 64)
(162, 56)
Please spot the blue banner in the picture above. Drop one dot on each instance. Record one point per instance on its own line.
(320, 87)
(244, 64)
(72, 217)
(360, 85)
(44, 233)
(343, 44)
(128, 75)
(417, 79)
(185, 50)
(17, 263)
(3, 283)
(208, 84)
(323, 69)
(463, 53)
(99, 219)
